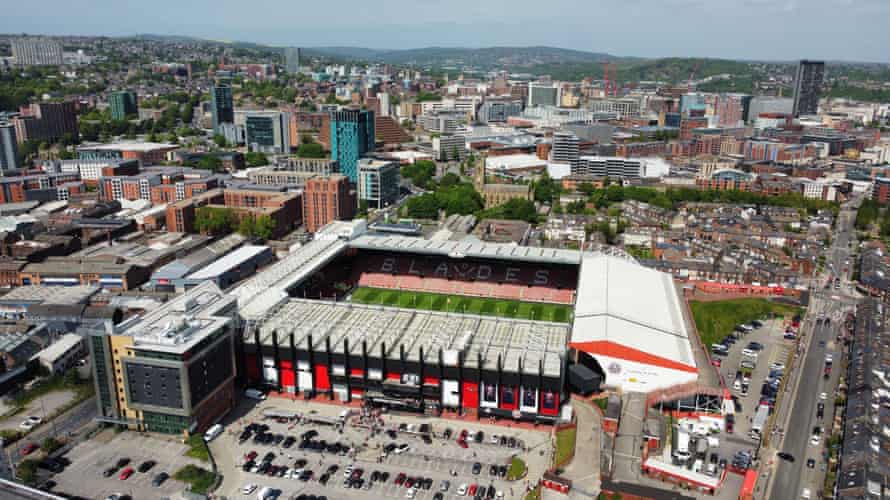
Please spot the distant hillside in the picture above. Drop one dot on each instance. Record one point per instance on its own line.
(481, 58)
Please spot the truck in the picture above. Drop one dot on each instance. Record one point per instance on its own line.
(759, 421)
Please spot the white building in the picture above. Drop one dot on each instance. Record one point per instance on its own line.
(450, 147)
(62, 354)
(36, 51)
(621, 168)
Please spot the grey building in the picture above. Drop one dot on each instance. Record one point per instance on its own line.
(8, 148)
(36, 51)
(807, 86)
(292, 59)
(565, 148)
(768, 104)
(498, 111)
(378, 182)
(542, 95)
(222, 107)
(267, 132)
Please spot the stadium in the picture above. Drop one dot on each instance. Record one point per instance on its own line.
(473, 327)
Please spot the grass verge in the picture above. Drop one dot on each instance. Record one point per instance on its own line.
(517, 469)
(714, 320)
(457, 303)
(197, 448)
(565, 445)
(200, 480)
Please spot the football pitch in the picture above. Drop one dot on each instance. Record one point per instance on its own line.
(470, 305)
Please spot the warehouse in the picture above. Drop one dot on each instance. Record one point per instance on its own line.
(411, 359)
(231, 268)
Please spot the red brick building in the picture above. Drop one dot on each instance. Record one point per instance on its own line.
(326, 199)
(283, 208)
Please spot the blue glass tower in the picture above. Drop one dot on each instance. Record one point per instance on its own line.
(352, 135)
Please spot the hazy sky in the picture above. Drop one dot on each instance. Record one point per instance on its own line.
(749, 29)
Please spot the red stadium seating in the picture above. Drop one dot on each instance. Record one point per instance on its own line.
(511, 281)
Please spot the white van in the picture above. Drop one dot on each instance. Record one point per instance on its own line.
(254, 394)
(212, 432)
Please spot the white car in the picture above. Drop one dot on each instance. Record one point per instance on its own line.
(411, 493)
(462, 490)
(248, 489)
(815, 440)
(495, 439)
(778, 365)
(805, 494)
(30, 422)
(823, 396)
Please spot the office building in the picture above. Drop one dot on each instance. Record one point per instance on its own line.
(807, 86)
(450, 147)
(769, 105)
(221, 106)
(171, 370)
(621, 168)
(148, 153)
(498, 111)
(283, 208)
(565, 148)
(267, 132)
(326, 199)
(46, 121)
(122, 104)
(542, 95)
(378, 182)
(36, 51)
(8, 148)
(292, 59)
(352, 136)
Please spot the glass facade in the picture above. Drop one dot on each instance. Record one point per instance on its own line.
(352, 135)
(167, 424)
(105, 395)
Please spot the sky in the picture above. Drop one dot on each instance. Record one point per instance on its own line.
(851, 30)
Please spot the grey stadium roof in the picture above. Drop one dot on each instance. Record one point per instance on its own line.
(513, 340)
(458, 249)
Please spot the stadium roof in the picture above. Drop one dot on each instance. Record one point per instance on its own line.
(627, 311)
(514, 340)
(460, 249)
(265, 290)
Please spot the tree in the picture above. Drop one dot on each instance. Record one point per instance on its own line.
(220, 140)
(311, 150)
(421, 173)
(214, 220)
(255, 159)
(515, 209)
(362, 208)
(210, 162)
(425, 206)
(546, 189)
(247, 227)
(449, 179)
(264, 227)
(50, 444)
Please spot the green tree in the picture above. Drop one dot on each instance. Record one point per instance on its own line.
(50, 444)
(425, 206)
(210, 162)
(515, 209)
(256, 159)
(220, 140)
(311, 150)
(264, 227)
(362, 208)
(421, 173)
(449, 179)
(214, 220)
(247, 227)
(546, 189)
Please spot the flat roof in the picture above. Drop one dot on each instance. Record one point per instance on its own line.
(227, 262)
(128, 146)
(60, 347)
(57, 295)
(182, 322)
(460, 249)
(515, 341)
(625, 304)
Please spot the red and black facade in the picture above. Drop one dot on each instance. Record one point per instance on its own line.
(421, 383)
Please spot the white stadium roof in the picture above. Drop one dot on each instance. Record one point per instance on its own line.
(629, 317)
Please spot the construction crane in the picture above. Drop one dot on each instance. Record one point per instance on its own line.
(609, 86)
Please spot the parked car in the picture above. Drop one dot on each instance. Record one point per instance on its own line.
(126, 473)
(147, 465)
(30, 423)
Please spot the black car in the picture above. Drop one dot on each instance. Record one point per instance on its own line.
(268, 457)
(493, 470)
(109, 471)
(244, 437)
(447, 433)
(503, 440)
(502, 470)
(51, 465)
(438, 496)
(491, 491)
(278, 439)
(820, 410)
(324, 478)
(49, 485)
(427, 439)
(427, 483)
(311, 433)
(476, 468)
(122, 462)
(811, 463)
(147, 465)
(384, 477)
(479, 436)
(332, 469)
(248, 465)
(755, 346)
(511, 442)
(159, 479)
(288, 442)
(392, 434)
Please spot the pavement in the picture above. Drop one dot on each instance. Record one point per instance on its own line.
(584, 469)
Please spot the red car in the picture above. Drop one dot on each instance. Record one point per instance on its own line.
(126, 473)
(29, 449)
(472, 491)
(251, 456)
(462, 443)
(716, 362)
(400, 478)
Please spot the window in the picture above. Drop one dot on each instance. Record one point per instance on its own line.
(529, 397)
(549, 400)
(489, 393)
(507, 396)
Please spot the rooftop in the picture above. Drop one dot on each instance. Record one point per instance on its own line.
(128, 146)
(57, 295)
(229, 261)
(490, 338)
(461, 249)
(60, 346)
(182, 322)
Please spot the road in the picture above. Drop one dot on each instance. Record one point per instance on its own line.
(790, 478)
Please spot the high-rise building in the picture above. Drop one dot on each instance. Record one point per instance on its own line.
(292, 59)
(8, 148)
(122, 104)
(542, 95)
(36, 51)
(352, 135)
(378, 182)
(565, 148)
(267, 132)
(807, 85)
(222, 108)
(46, 121)
(327, 199)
